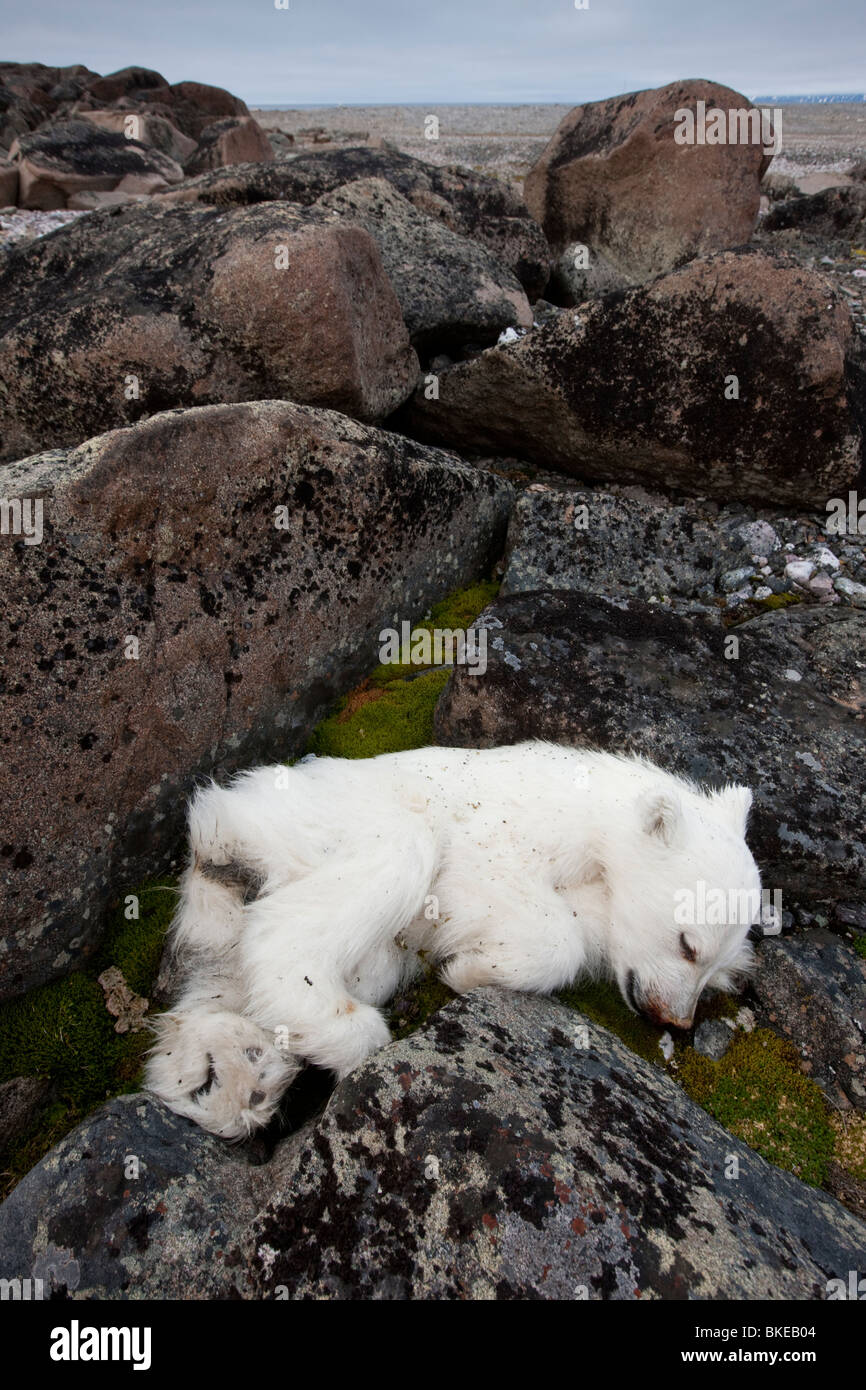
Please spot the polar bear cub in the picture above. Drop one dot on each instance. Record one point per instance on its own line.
(313, 891)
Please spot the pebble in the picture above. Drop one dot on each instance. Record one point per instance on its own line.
(733, 580)
(712, 1039)
(822, 587)
(850, 589)
(738, 597)
(825, 558)
(760, 538)
(799, 571)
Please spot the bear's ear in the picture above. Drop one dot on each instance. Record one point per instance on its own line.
(660, 815)
(736, 802)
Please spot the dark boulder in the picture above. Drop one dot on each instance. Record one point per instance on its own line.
(511, 1149)
(777, 704)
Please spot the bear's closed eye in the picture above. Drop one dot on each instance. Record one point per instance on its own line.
(686, 951)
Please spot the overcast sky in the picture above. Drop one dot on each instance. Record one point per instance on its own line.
(430, 51)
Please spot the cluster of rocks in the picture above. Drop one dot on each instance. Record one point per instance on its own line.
(691, 555)
(72, 139)
(248, 419)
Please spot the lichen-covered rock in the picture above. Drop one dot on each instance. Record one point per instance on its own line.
(146, 129)
(778, 186)
(126, 1206)
(133, 310)
(732, 377)
(813, 989)
(451, 289)
(692, 554)
(57, 161)
(778, 704)
(206, 584)
(578, 275)
(511, 1149)
(615, 177)
(8, 183)
(469, 203)
(196, 105)
(131, 83)
(233, 140)
(838, 214)
(31, 92)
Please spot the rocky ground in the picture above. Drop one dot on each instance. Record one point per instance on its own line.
(271, 381)
(507, 140)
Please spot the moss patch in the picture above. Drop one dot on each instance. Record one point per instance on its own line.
(135, 944)
(64, 1031)
(416, 1003)
(389, 720)
(392, 709)
(849, 1133)
(860, 946)
(758, 1092)
(603, 1004)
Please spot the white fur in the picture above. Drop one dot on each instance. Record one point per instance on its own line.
(543, 863)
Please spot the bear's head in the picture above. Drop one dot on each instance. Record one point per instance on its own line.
(685, 899)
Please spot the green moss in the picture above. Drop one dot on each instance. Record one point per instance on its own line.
(456, 612)
(135, 944)
(416, 1003)
(860, 946)
(603, 1003)
(774, 601)
(63, 1030)
(392, 710)
(388, 720)
(758, 1092)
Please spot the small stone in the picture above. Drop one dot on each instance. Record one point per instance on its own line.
(733, 579)
(792, 675)
(763, 591)
(799, 571)
(739, 597)
(855, 593)
(712, 1039)
(852, 915)
(822, 587)
(825, 558)
(760, 538)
